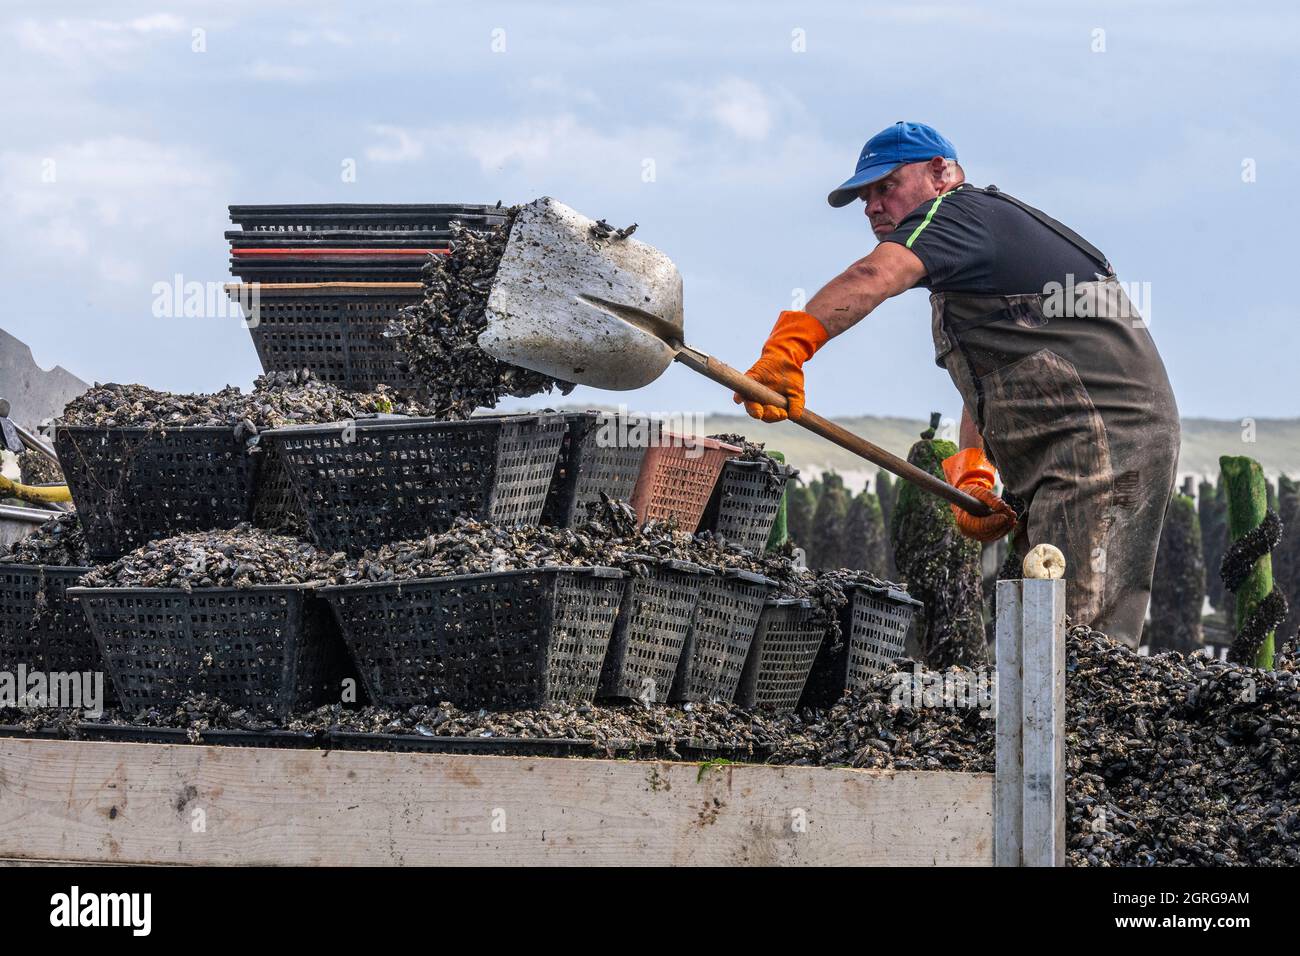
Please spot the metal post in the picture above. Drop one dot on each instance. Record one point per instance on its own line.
(1008, 772)
(1029, 793)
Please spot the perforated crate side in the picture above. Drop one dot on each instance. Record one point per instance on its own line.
(131, 485)
(254, 270)
(656, 615)
(377, 218)
(877, 633)
(275, 505)
(527, 450)
(131, 733)
(42, 627)
(713, 656)
(786, 642)
(745, 503)
(874, 625)
(339, 336)
(501, 641)
(366, 484)
(476, 746)
(339, 239)
(588, 465)
(265, 647)
(677, 481)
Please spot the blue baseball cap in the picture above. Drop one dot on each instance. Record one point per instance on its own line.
(892, 147)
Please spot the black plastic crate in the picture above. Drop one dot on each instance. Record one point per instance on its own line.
(717, 644)
(257, 269)
(364, 217)
(697, 750)
(874, 625)
(786, 641)
(267, 647)
(653, 621)
(42, 627)
(364, 483)
(601, 452)
(26, 733)
(480, 746)
(504, 640)
(745, 502)
(134, 484)
(130, 733)
(275, 503)
(341, 239)
(336, 333)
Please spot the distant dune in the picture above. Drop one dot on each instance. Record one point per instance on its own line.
(1276, 443)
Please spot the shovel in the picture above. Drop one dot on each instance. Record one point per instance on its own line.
(578, 302)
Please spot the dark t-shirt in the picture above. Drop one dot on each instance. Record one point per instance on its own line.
(972, 241)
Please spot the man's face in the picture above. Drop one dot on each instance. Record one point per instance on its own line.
(890, 199)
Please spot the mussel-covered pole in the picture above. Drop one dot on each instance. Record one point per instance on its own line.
(941, 567)
(1178, 587)
(1248, 564)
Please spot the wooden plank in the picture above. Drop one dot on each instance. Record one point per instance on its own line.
(9, 861)
(156, 803)
(1043, 725)
(1008, 770)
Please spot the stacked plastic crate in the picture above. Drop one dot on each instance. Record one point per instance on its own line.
(321, 283)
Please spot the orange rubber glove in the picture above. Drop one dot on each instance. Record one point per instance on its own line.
(970, 471)
(794, 340)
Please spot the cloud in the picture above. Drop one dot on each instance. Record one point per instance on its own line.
(404, 147)
(305, 38)
(549, 84)
(551, 148)
(69, 200)
(112, 43)
(158, 22)
(740, 107)
(547, 144)
(266, 71)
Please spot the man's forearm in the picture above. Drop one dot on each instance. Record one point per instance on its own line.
(847, 299)
(854, 293)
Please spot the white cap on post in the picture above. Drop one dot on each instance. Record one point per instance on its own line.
(1043, 562)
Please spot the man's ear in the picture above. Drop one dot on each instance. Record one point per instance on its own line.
(937, 166)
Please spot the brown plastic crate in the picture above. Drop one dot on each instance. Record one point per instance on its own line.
(677, 479)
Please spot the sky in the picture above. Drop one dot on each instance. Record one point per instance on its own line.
(1161, 131)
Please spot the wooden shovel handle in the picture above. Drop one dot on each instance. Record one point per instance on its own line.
(753, 391)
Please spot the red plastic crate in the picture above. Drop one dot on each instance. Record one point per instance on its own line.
(677, 479)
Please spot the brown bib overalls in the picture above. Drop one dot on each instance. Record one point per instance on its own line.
(1076, 410)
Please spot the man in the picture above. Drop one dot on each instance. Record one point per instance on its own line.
(1064, 391)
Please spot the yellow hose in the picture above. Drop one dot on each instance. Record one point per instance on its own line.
(36, 494)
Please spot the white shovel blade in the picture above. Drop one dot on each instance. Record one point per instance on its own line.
(582, 309)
